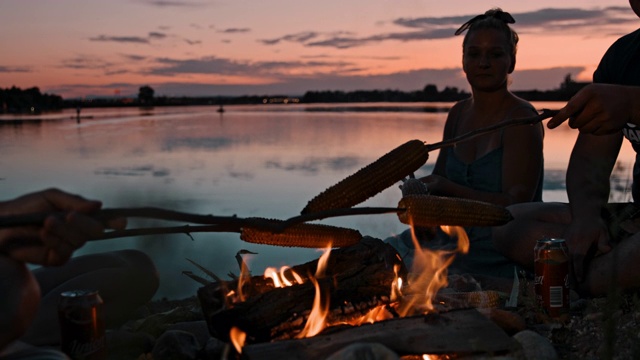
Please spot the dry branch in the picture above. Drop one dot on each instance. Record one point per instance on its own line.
(358, 278)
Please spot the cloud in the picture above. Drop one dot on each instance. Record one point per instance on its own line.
(301, 37)
(84, 62)
(235, 30)
(122, 39)
(157, 35)
(165, 3)
(15, 69)
(141, 170)
(222, 66)
(133, 57)
(549, 20)
(153, 35)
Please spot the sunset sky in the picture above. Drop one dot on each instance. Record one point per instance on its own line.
(89, 48)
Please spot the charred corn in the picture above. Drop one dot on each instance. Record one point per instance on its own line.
(303, 235)
(413, 186)
(372, 179)
(429, 210)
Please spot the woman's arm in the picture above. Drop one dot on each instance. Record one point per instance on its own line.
(521, 168)
(522, 161)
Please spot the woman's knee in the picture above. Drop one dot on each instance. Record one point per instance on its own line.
(19, 301)
(141, 268)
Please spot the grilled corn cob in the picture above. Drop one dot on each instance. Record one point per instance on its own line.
(429, 210)
(413, 186)
(372, 179)
(302, 235)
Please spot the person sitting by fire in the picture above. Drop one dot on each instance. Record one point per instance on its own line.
(125, 279)
(602, 238)
(503, 167)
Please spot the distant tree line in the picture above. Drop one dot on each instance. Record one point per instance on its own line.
(567, 89)
(429, 93)
(15, 100)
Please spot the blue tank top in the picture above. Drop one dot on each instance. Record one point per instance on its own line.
(483, 174)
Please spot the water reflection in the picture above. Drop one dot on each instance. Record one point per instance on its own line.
(263, 161)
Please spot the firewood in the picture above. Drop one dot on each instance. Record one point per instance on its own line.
(462, 332)
(358, 278)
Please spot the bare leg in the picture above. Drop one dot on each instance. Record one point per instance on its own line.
(19, 299)
(617, 269)
(124, 279)
(532, 222)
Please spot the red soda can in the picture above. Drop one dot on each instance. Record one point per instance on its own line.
(82, 328)
(551, 261)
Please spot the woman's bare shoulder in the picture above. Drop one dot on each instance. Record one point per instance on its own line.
(520, 108)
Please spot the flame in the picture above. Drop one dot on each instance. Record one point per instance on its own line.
(429, 271)
(280, 279)
(238, 338)
(396, 284)
(244, 278)
(378, 313)
(317, 320)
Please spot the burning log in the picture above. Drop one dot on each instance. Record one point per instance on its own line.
(462, 332)
(357, 279)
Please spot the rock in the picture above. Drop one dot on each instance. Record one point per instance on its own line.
(156, 324)
(215, 349)
(535, 347)
(364, 351)
(198, 328)
(176, 345)
(123, 345)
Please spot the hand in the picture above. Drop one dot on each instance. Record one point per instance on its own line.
(60, 235)
(581, 237)
(599, 109)
(435, 184)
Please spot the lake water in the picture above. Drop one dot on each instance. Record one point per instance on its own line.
(262, 160)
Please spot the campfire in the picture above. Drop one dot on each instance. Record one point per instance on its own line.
(354, 294)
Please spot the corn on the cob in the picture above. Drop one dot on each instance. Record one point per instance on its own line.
(303, 235)
(372, 179)
(413, 186)
(429, 210)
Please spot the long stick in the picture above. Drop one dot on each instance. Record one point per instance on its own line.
(546, 113)
(216, 223)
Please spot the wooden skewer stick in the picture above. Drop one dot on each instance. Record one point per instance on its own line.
(546, 113)
(213, 223)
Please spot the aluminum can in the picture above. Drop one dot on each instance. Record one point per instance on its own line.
(82, 327)
(551, 261)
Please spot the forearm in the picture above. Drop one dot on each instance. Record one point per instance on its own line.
(633, 101)
(590, 166)
(452, 189)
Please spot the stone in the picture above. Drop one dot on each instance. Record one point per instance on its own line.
(122, 345)
(364, 351)
(176, 345)
(198, 328)
(535, 346)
